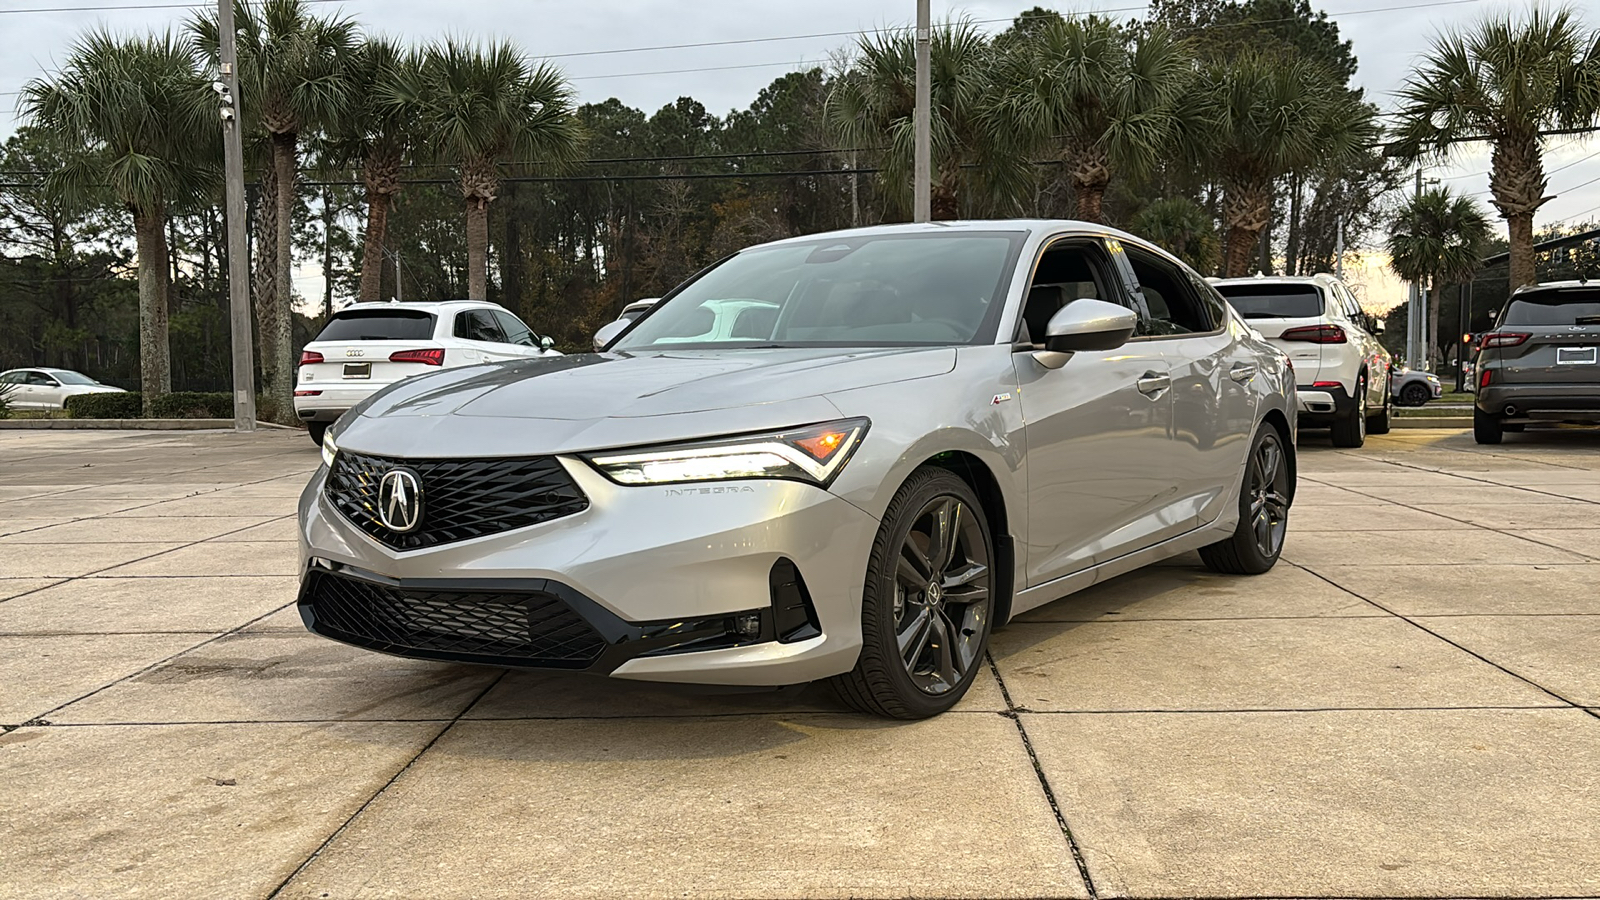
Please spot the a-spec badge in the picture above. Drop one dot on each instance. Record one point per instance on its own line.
(1000, 398)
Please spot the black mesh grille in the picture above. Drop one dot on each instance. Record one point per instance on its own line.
(531, 628)
(461, 498)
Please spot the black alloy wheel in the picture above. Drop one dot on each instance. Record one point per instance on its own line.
(1264, 501)
(1415, 394)
(928, 602)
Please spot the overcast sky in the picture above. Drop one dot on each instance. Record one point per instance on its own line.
(1387, 38)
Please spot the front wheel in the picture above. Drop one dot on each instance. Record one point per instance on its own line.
(1415, 394)
(1264, 500)
(1350, 429)
(927, 603)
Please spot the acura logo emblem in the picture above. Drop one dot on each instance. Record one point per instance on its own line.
(400, 500)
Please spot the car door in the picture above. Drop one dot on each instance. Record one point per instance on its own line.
(1213, 408)
(1097, 428)
(518, 336)
(44, 392)
(1377, 358)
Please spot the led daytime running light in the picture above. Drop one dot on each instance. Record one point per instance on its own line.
(814, 454)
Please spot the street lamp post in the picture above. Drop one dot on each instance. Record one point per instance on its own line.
(244, 388)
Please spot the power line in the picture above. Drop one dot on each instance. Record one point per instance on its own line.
(59, 9)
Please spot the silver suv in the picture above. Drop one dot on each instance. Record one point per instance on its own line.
(1542, 361)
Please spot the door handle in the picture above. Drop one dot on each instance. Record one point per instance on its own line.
(1242, 372)
(1154, 383)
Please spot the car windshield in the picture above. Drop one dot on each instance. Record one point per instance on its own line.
(71, 377)
(378, 325)
(1570, 306)
(881, 290)
(1273, 301)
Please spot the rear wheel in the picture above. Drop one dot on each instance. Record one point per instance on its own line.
(317, 430)
(1486, 427)
(1263, 511)
(1415, 394)
(1350, 429)
(927, 602)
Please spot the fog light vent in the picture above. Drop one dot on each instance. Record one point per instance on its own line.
(794, 617)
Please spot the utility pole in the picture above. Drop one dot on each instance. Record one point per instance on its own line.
(1466, 344)
(1413, 316)
(1338, 248)
(244, 378)
(922, 176)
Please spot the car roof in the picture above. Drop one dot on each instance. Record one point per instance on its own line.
(41, 369)
(1024, 226)
(421, 306)
(1555, 286)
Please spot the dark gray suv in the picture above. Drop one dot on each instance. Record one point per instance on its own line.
(1541, 363)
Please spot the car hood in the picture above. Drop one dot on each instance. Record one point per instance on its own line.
(587, 401)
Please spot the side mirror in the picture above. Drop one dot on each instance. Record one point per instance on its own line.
(546, 342)
(608, 333)
(1085, 324)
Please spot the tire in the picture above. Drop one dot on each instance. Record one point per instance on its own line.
(1415, 394)
(1378, 423)
(1264, 501)
(1486, 428)
(317, 430)
(1350, 429)
(894, 613)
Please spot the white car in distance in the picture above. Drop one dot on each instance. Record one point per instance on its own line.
(366, 347)
(1341, 370)
(46, 388)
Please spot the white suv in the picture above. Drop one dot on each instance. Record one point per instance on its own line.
(368, 346)
(1341, 369)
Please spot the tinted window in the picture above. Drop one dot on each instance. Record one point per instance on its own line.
(1575, 306)
(1066, 272)
(515, 331)
(881, 290)
(1174, 307)
(478, 325)
(378, 325)
(41, 379)
(11, 377)
(1273, 301)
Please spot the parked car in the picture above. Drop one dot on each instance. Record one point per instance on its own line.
(368, 346)
(1414, 387)
(1340, 366)
(637, 308)
(45, 388)
(1541, 363)
(935, 428)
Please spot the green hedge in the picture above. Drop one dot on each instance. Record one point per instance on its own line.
(105, 406)
(193, 405)
(181, 405)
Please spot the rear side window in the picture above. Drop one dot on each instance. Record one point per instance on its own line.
(378, 325)
(1273, 301)
(1576, 306)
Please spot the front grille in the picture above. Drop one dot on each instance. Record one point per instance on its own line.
(530, 628)
(461, 498)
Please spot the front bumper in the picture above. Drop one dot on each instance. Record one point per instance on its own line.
(659, 573)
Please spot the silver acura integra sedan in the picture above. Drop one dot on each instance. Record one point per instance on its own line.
(908, 435)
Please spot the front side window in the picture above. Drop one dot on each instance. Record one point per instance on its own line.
(1174, 306)
(1068, 271)
(1568, 306)
(478, 325)
(515, 332)
(41, 379)
(880, 290)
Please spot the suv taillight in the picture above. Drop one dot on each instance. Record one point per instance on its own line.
(433, 357)
(307, 357)
(1496, 339)
(1316, 334)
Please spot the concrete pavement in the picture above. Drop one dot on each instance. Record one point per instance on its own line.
(1407, 706)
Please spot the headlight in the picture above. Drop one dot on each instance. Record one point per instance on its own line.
(813, 453)
(329, 450)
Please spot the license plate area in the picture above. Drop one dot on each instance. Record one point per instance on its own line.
(358, 370)
(1575, 356)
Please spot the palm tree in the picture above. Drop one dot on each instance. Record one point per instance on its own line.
(1102, 102)
(1182, 226)
(1266, 116)
(481, 109)
(148, 121)
(293, 77)
(1504, 81)
(871, 105)
(377, 133)
(1437, 239)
